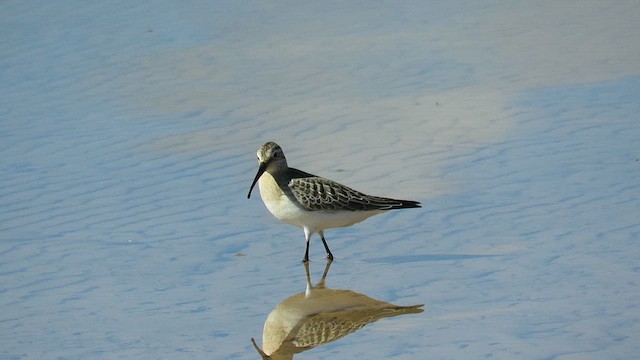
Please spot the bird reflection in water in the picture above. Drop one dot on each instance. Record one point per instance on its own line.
(319, 316)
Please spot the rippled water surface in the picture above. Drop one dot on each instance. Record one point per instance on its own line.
(128, 146)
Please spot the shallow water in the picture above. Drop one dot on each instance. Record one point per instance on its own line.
(128, 146)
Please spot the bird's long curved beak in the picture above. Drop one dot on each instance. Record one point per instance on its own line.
(261, 170)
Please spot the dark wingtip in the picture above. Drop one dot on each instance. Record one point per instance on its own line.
(409, 204)
(394, 204)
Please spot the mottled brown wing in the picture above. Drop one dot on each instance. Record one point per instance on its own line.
(317, 193)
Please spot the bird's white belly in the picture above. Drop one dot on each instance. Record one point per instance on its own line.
(284, 209)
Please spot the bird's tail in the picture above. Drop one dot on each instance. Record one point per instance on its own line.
(408, 204)
(381, 203)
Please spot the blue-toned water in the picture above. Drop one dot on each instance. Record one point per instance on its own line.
(128, 146)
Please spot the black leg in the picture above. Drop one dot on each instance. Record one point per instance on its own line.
(307, 236)
(326, 247)
(306, 254)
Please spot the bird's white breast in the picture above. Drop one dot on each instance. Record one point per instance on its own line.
(276, 201)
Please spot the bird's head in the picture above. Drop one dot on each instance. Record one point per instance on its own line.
(270, 156)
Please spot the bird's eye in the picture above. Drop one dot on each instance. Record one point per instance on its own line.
(276, 154)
